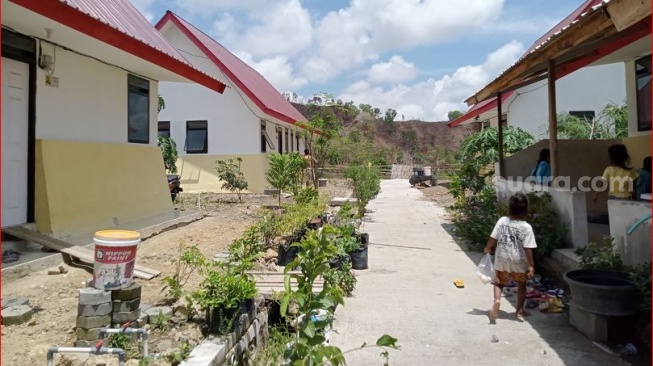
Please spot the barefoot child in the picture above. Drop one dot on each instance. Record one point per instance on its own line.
(514, 240)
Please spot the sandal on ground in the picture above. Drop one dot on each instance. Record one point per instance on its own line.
(459, 283)
(532, 294)
(532, 304)
(522, 314)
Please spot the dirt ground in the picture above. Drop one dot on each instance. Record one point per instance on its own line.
(438, 194)
(54, 298)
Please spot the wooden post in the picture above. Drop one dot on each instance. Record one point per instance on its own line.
(502, 168)
(553, 121)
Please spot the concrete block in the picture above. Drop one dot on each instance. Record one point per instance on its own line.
(128, 293)
(206, 354)
(18, 314)
(126, 317)
(85, 343)
(594, 326)
(126, 306)
(94, 310)
(154, 312)
(88, 334)
(89, 322)
(14, 301)
(339, 201)
(92, 296)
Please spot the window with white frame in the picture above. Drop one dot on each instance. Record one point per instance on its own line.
(138, 110)
(643, 80)
(197, 139)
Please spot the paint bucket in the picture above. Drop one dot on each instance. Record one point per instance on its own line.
(427, 171)
(115, 258)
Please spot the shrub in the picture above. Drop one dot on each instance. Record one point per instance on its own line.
(233, 179)
(169, 151)
(474, 217)
(285, 172)
(365, 182)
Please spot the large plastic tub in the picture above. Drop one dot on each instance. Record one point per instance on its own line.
(602, 292)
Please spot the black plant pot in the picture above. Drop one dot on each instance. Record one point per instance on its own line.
(249, 306)
(223, 321)
(286, 255)
(364, 239)
(359, 258)
(339, 261)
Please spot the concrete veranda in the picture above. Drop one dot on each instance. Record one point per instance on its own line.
(408, 292)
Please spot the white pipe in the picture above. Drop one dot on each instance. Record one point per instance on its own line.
(91, 350)
(142, 331)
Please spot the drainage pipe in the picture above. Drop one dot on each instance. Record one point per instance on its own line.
(126, 330)
(90, 350)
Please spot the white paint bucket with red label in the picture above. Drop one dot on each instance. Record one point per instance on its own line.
(115, 258)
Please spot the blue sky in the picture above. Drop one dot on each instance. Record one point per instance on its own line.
(420, 57)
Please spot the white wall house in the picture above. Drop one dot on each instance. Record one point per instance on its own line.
(583, 93)
(250, 120)
(79, 106)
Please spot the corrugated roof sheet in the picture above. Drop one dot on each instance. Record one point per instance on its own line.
(124, 17)
(244, 76)
(585, 8)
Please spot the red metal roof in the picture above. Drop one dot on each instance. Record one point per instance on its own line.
(253, 84)
(119, 24)
(492, 103)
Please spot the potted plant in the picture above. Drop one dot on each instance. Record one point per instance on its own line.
(222, 295)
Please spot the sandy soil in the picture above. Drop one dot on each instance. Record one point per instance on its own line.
(54, 298)
(438, 194)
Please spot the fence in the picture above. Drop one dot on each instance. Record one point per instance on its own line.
(396, 171)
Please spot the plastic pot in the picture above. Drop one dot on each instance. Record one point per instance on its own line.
(223, 321)
(286, 255)
(602, 292)
(339, 261)
(359, 258)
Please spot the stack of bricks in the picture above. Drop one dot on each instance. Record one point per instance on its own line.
(126, 304)
(101, 309)
(94, 313)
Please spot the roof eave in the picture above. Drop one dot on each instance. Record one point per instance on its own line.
(86, 24)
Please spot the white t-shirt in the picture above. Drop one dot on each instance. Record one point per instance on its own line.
(512, 237)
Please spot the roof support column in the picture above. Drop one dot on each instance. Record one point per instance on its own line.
(553, 121)
(502, 167)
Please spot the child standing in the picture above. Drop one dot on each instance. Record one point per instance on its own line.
(514, 241)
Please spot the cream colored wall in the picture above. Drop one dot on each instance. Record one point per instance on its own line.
(82, 187)
(638, 147)
(198, 172)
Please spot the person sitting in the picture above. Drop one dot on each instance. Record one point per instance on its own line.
(644, 179)
(542, 171)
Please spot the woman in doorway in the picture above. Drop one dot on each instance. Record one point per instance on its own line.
(619, 176)
(542, 171)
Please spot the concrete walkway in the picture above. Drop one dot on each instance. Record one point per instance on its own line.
(408, 293)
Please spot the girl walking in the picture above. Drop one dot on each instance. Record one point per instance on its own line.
(514, 241)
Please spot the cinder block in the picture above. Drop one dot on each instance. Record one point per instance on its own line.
(94, 310)
(594, 326)
(131, 292)
(92, 296)
(18, 314)
(126, 317)
(89, 322)
(88, 334)
(155, 311)
(126, 306)
(14, 301)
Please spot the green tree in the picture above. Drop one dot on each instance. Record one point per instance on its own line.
(611, 123)
(390, 116)
(169, 151)
(454, 114)
(284, 172)
(231, 176)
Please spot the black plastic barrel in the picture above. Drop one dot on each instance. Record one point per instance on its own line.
(602, 292)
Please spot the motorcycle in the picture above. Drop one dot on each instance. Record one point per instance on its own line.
(174, 183)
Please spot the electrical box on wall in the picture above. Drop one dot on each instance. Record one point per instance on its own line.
(52, 81)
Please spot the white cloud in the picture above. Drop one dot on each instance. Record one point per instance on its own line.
(269, 33)
(431, 100)
(396, 70)
(364, 30)
(276, 70)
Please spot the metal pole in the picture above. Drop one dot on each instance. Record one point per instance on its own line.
(553, 121)
(142, 331)
(502, 167)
